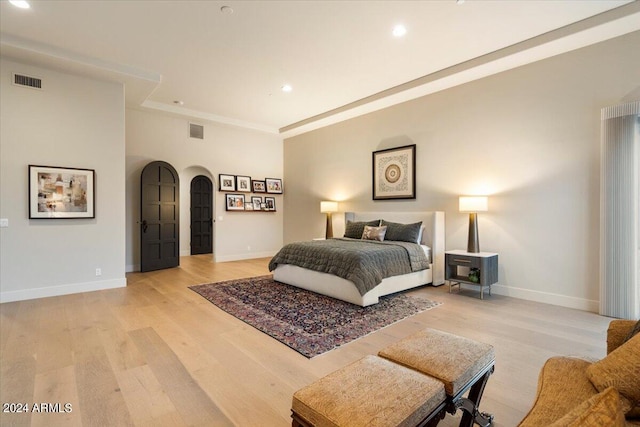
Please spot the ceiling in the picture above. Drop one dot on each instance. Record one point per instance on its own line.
(340, 57)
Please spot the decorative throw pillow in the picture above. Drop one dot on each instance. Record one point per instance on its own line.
(620, 369)
(354, 229)
(374, 233)
(402, 232)
(603, 409)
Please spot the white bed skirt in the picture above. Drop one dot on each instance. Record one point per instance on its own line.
(337, 287)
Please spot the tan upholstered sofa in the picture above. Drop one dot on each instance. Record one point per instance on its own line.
(575, 392)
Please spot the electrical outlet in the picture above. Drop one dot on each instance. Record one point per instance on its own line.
(4, 222)
(98, 272)
(248, 248)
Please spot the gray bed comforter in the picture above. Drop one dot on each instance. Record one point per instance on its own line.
(363, 262)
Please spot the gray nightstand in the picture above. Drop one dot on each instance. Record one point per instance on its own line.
(485, 263)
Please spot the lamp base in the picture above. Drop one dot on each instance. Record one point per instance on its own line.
(473, 245)
(329, 232)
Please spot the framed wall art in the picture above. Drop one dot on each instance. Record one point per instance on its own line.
(257, 203)
(227, 182)
(259, 187)
(274, 185)
(243, 184)
(271, 203)
(235, 202)
(394, 174)
(57, 192)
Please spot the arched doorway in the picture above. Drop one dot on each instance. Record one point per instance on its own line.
(201, 215)
(160, 217)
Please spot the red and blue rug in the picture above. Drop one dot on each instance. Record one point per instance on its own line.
(309, 323)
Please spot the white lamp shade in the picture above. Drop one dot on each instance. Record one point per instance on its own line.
(474, 204)
(328, 207)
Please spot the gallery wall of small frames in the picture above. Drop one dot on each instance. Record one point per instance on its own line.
(232, 184)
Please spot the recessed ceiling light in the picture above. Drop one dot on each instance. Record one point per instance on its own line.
(227, 10)
(22, 4)
(287, 88)
(399, 30)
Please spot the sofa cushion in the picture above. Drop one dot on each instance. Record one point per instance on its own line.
(562, 385)
(633, 332)
(603, 409)
(621, 370)
(618, 333)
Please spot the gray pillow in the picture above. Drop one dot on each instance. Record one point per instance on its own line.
(354, 229)
(402, 232)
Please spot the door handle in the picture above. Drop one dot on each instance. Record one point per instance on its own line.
(144, 226)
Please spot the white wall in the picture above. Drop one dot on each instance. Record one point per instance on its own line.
(237, 235)
(72, 122)
(529, 138)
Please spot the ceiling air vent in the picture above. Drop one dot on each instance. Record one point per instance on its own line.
(22, 80)
(196, 131)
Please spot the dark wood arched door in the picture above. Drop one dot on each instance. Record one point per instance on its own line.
(201, 215)
(160, 217)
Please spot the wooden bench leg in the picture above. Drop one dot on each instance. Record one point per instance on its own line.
(469, 405)
(298, 421)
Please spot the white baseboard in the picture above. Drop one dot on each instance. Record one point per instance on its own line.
(547, 298)
(239, 257)
(130, 268)
(53, 291)
(185, 252)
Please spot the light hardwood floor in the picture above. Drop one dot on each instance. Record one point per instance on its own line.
(157, 354)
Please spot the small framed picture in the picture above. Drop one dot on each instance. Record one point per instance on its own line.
(235, 202)
(243, 183)
(274, 185)
(248, 206)
(257, 203)
(259, 187)
(271, 203)
(56, 192)
(227, 182)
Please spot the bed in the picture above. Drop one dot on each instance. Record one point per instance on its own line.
(432, 236)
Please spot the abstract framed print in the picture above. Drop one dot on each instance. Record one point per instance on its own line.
(58, 192)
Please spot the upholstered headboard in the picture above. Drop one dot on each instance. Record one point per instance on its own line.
(433, 235)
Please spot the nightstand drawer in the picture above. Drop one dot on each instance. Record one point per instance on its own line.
(463, 261)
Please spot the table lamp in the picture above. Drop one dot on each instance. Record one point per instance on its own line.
(473, 205)
(329, 207)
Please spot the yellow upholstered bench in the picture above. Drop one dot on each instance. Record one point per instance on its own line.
(370, 392)
(460, 363)
(411, 383)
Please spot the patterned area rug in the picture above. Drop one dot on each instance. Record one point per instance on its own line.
(307, 322)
